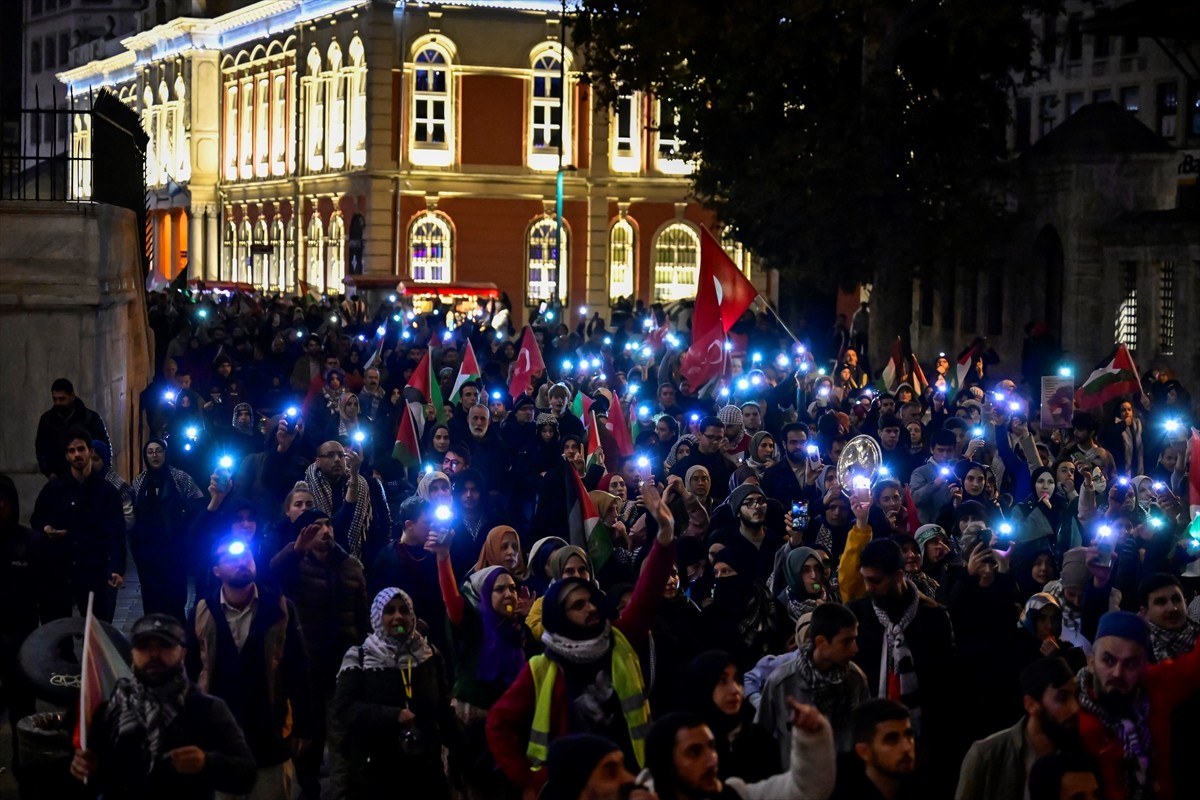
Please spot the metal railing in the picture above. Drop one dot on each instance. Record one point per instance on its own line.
(37, 157)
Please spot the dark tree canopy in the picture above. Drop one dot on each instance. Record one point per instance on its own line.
(838, 137)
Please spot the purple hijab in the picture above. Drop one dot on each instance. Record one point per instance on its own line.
(501, 656)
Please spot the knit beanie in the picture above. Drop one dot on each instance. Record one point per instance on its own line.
(740, 494)
(309, 517)
(1074, 568)
(1124, 625)
(927, 533)
(570, 763)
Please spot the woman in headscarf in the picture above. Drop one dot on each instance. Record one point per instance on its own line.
(567, 561)
(435, 486)
(1042, 514)
(684, 447)
(743, 619)
(712, 689)
(165, 501)
(348, 421)
(436, 443)
(699, 483)
(804, 574)
(393, 701)
(1033, 567)
(502, 548)
(762, 452)
(614, 484)
(539, 563)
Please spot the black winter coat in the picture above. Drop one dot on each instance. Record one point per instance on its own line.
(94, 544)
(49, 445)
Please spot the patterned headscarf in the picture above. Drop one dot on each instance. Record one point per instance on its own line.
(243, 427)
(383, 649)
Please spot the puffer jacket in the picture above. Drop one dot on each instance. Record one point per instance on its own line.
(331, 599)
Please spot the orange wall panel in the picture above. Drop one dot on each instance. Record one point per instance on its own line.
(495, 105)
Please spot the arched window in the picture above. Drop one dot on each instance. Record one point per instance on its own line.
(314, 249)
(277, 279)
(242, 264)
(314, 93)
(290, 246)
(229, 251)
(262, 128)
(358, 103)
(337, 108)
(549, 116)
(429, 246)
(676, 261)
(335, 255)
(542, 263)
(231, 129)
(433, 104)
(734, 249)
(620, 260)
(260, 259)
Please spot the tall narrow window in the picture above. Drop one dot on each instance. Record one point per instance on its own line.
(542, 262)
(734, 249)
(1047, 116)
(260, 257)
(242, 264)
(548, 114)
(231, 128)
(620, 260)
(1166, 309)
(358, 103)
(1127, 311)
(314, 250)
(314, 91)
(676, 262)
(281, 123)
(262, 129)
(627, 133)
(1168, 109)
(432, 105)
(668, 147)
(429, 247)
(229, 252)
(336, 255)
(246, 134)
(278, 276)
(336, 81)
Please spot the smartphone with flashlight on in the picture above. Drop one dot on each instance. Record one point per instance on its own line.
(443, 516)
(225, 472)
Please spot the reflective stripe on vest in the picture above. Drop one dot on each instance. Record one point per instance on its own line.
(629, 686)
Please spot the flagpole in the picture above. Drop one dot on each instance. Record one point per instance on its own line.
(83, 671)
(782, 324)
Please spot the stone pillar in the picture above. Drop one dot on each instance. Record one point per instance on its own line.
(197, 264)
(212, 242)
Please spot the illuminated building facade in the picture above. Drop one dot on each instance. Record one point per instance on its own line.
(299, 143)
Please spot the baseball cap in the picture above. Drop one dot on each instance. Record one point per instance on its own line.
(163, 627)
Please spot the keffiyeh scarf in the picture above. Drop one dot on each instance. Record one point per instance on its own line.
(184, 484)
(322, 491)
(1134, 733)
(384, 650)
(579, 651)
(826, 687)
(146, 712)
(897, 672)
(1172, 644)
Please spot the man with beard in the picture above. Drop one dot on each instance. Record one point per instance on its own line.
(590, 678)
(159, 735)
(708, 455)
(346, 496)
(489, 455)
(81, 527)
(995, 768)
(586, 767)
(1126, 704)
(884, 758)
(1064, 775)
(682, 761)
(66, 413)
(751, 536)
(787, 480)
(245, 646)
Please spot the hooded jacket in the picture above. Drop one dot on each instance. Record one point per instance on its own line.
(53, 425)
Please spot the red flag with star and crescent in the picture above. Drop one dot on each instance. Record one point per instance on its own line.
(529, 363)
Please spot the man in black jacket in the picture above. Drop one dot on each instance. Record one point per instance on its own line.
(245, 646)
(709, 456)
(159, 735)
(67, 413)
(81, 524)
(790, 477)
(18, 598)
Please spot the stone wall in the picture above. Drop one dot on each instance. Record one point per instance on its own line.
(71, 306)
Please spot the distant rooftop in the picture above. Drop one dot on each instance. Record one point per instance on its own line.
(1099, 129)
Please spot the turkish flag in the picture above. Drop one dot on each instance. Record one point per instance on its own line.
(529, 363)
(705, 359)
(734, 292)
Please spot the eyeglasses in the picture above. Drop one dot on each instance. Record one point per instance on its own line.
(335, 454)
(452, 462)
(155, 451)
(720, 437)
(754, 502)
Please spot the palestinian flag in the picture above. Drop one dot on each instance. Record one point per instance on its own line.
(966, 359)
(468, 371)
(101, 667)
(896, 371)
(581, 406)
(425, 384)
(407, 449)
(584, 528)
(1116, 378)
(593, 443)
(309, 292)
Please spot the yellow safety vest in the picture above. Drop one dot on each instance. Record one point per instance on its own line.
(628, 683)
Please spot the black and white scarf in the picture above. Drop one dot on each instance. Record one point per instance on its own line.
(385, 649)
(1134, 733)
(187, 488)
(826, 687)
(579, 651)
(146, 712)
(897, 672)
(1172, 644)
(322, 491)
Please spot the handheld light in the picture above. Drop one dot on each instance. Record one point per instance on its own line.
(225, 462)
(391, 298)
(782, 361)
(756, 357)
(1006, 529)
(643, 411)
(823, 391)
(944, 471)
(812, 450)
(583, 311)
(192, 431)
(202, 313)
(1014, 406)
(236, 548)
(634, 388)
(361, 338)
(743, 384)
(292, 412)
(442, 513)
(299, 334)
(1173, 425)
(861, 482)
(566, 365)
(1105, 531)
(977, 432)
(496, 395)
(169, 397)
(499, 334)
(359, 437)
(549, 316)
(607, 341)
(728, 346)
(884, 471)
(381, 330)
(1064, 372)
(643, 462)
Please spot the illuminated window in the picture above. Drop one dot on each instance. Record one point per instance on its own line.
(81, 157)
(314, 92)
(241, 264)
(626, 145)
(620, 260)
(676, 261)
(335, 255)
(336, 94)
(290, 245)
(542, 263)
(246, 132)
(433, 100)
(181, 139)
(548, 115)
(278, 277)
(358, 103)
(314, 250)
(149, 123)
(733, 248)
(231, 128)
(429, 246)
(668, 146)
(281, 123)
(262, 129)
(1126, 332)
(260, 259)
(229, 251)
(1166, 309)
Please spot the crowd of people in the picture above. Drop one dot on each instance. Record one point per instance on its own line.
(613, 584)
